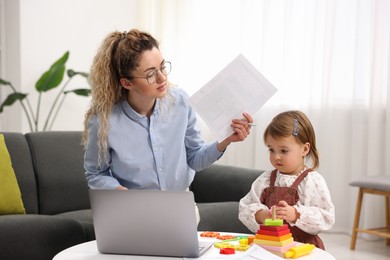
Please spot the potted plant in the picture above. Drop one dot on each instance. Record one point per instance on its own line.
(51, 79)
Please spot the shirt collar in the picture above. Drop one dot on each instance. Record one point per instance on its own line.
(133, 115)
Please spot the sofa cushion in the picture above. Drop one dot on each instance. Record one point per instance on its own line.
(58, 162)
(224, 219)
(22, 164)
(223, 183)
(10, 196)
(84, 217)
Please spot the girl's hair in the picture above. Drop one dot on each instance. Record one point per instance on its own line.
(297, 124)
(117, 58)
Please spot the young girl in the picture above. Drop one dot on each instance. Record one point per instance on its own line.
(299, 193)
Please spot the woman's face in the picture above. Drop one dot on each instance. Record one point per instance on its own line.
(147, 79)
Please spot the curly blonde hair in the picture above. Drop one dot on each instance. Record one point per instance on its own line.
(116, 58)
(294, 123)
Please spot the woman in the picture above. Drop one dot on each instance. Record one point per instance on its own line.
(140, 131)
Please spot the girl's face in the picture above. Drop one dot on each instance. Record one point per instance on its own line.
(148, 81)
(286, 154)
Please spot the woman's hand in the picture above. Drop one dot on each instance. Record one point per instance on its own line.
(241, 130)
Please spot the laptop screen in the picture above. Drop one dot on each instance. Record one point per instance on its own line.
(145, 222)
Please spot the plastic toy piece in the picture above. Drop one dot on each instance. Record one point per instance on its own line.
(298, 251)
(274, 243)
(223, 245)
(273, 228)
(239, 247)
(250, 239)
(242, 247)
(209, 234)
(274, 238)
(273, 233)
(227, 251)
(274, 221)
(243, 241)
(225, 237)
(281, 249)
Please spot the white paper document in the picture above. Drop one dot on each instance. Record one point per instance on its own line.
(238, 88)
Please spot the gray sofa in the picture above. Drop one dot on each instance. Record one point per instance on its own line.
(49, 170)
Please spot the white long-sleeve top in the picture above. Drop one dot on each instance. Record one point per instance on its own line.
(315, 205)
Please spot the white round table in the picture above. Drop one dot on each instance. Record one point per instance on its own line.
(88, 250)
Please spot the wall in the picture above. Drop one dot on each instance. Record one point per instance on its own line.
(39, 32)
(11, 60)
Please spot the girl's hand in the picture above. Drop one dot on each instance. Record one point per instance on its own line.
(286, 212)
(261, 215)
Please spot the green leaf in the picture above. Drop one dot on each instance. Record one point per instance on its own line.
(12, 98)
(53, 77)
(62, 60)
(71, 73)
(4, 82)
(80, 91)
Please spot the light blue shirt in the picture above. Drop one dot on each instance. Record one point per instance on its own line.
(160, 153)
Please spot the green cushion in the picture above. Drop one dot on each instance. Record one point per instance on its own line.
(10, 196)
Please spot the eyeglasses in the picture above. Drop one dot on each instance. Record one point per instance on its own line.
(151, 77)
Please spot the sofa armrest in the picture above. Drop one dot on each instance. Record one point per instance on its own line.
(37, 237)
(220, 183)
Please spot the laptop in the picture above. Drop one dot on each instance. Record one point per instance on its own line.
(146, 222)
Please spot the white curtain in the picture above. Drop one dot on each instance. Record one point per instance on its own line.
(328, 58)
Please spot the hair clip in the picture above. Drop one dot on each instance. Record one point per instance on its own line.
(295, 129)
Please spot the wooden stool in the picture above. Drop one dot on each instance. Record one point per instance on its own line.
(378, 185)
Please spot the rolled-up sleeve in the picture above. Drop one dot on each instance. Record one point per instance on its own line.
(250, 204)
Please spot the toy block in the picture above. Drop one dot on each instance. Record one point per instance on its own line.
(243, 241)
(282, 249)
(273, 233)
(239, 247)
(209, 234)
(225, 237)
(242, 247)
(273, 222)
(250, 239)
(273, 228)
(274, 238)
(223, 245)
(274, 243)
(227, 251)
